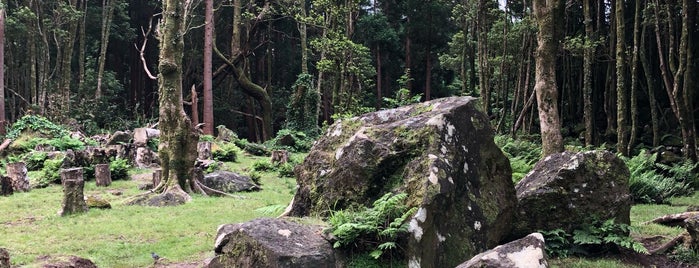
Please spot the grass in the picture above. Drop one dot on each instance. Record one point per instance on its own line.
(124, 236)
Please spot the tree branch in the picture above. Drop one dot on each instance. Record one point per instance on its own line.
(141, 50)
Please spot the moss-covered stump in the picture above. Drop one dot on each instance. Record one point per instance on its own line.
(441, 153)
(73, 197)
(567, 190)
(272, 243)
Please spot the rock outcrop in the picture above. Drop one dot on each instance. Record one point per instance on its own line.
(229, 182)
(567, 190)
(440, 153)
(272, 243)
(528, 252)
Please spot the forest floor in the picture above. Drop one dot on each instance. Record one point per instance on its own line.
(124, 236)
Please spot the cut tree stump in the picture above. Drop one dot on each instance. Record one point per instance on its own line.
(73, 198)
(4, 258)
(18, 173)
(280, 157)
(157, 176)
(103, 176)
(204, 150)
(5, 186)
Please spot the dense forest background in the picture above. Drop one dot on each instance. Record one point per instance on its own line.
(624, 70)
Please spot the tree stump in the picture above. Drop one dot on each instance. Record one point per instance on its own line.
(204, 150)
(18, 173)
(103, 176)
(157, 176)
(73, 198)
(280, 157)
(5, 186)
(4, 258)
(692, 226)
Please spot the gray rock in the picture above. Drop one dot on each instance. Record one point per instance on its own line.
(145, 158)
(94, 201)
(272, 243)
(440, 153)
(119, 137)
(225, 134)
(141, 136)
(568, 190)
(528, 252)
(229, 182)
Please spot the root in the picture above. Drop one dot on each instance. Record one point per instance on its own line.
(674, 219)
(667, 246)
(213, 192)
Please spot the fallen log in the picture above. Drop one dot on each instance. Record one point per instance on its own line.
(674, 219)
(5, 144)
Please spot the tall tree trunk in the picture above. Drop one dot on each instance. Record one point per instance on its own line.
(208, 109)
(483, 65)
(588, 58)
(621, 92)
(634, 76)
(107, 13)
(65, 64)
(81, 49)
(686, 52)
(379, 78)
(545, 71)
(178, 140)
(3, 121)
(428, 74)
(303, 35)
(650, 82)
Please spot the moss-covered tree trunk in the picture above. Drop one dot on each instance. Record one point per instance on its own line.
(178, 139)
(545, 75)
(621, 91)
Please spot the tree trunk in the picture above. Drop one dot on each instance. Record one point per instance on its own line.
(650, 82)
(178, 139)
(428, 74)
(686, 96)
(3, 120)
(73, 197)
(379, 78)
(621, 92)
(545, 72)
(208, 110)
(107, 13)
(195, 106)
(81, 48)
(18, 172)
(103, 176)
(6, 186)
(634, 76)
(588, 58)
(483, 65)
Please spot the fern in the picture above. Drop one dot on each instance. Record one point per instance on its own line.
(375, 229)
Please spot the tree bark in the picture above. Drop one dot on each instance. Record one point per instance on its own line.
(178, 139)
(18, 172)
(545, 73)
(686, 97)
(6, 186)
(650, 83)
(3, 120)
(634, 77)
(103, 176)
(621, 92)
(588, 58)
(208, 109)
(107, 13)
(73, 197)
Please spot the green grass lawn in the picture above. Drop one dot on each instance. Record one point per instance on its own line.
(124, 236)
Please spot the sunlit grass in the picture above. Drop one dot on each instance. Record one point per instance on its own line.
(124, 236)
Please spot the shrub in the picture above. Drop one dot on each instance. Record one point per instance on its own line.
(655, 183)
(286, 170)
(300, 142)
(596, 238)
(50, 173)
(262, 165)
(153, 144)
(35, 160)
(38, 124)
(375, 229)
(119, 168)
(226, 152)
(523, 155)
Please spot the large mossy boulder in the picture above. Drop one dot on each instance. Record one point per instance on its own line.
(440, 153)
(229, 182)
(272, 243)
(567, 190)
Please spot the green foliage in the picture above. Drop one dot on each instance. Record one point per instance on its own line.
(38, 124)
(35, 160)
(302, 111)
(596, 238)
(293, 141)
(651, 182)
(153, 144)
(256, 177)
(252, 148)
(272, 210)
(208, 138)
(686, 255)
(403, 96)
(286, 170)
(262, 165)
(50, 173)
(226, 151)
(523, 154)
(375, 229)
(119, 168)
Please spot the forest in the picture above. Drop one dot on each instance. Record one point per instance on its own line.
(622, 72)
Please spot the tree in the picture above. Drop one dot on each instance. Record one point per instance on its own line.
(3, 120)
(590, 39)
(545, 75)
(621, 92)
(208, 112)
(107, 13)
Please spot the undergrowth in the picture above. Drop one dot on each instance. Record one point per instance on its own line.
(653, 182)
(591, 239)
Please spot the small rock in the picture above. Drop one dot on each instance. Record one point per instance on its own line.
(94, 201)
(145, 186)
(527, 252)
(229, 182)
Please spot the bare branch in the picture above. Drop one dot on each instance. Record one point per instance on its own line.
(142, 49)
